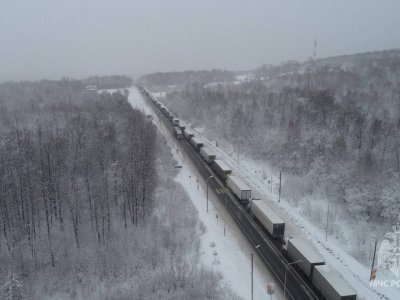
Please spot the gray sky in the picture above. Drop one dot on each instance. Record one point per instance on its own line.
(77, 38)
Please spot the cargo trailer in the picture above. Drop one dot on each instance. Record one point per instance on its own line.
(188, 134)
(298, 249)
(271, 221)
(239, 188)
(177, 132)
(196, 143)
(331, 285)
(182, 126)
(207, 154)
(175, 122)
(221, 168)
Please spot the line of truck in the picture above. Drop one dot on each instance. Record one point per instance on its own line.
(297, 251)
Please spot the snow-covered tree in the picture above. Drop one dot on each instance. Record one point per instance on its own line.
(12, 288)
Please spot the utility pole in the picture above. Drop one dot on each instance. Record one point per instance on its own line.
(224, 228)
(212, 176)
(280, 185)
(271, 180)
(238, 155)
(258, 159)
(373, 272)
(315, 50)
(252, 260)
(327, 222)
(286, 269)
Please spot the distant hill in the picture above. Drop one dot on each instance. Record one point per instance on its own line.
(108, 82)
(360, 63)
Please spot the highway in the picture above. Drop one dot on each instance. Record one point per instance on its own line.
(297, 287)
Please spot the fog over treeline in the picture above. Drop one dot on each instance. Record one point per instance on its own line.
(48, 39)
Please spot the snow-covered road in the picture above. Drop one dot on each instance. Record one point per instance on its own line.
(355, 273)
(223, 246)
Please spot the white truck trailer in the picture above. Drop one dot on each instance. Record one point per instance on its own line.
(239, 188)
(188, 134)
(207, 154)
(196, 143)
(221, 168)
(270, 221)
(301, 250)
(331, 285)
(175, 122)
(178, 132)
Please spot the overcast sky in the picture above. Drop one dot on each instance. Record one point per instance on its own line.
(77, 38)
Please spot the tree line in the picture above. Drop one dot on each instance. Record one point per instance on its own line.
(331, 125)
(181, 78)
(317, 116)
(109, 82)
(75, 168)
(88, 205)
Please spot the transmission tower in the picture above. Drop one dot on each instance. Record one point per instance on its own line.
(315, 49)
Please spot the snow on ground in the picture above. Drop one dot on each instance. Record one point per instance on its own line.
(159, 95)
(227, 253)
(245, 77)
(252, 171)
(223, 247)
(239, 79)
(257, 174)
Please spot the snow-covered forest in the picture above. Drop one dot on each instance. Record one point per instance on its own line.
(332, 126)
(156, 80)
(88, 208)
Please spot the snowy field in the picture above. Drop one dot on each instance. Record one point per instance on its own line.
(223, 247)
(257, 174)
(238, 80)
